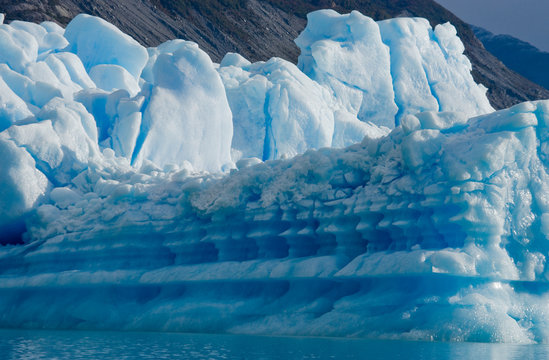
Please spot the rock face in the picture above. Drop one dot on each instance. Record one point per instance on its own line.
(244, 26)
(518, 55)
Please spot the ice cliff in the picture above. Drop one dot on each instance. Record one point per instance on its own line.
(368, 191)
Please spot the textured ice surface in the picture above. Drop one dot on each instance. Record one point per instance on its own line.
(280, 112)
(368, 191)
(97, 42)
(187, 116)
(417, 68)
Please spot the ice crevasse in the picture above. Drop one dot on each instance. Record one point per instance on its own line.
(370, 190)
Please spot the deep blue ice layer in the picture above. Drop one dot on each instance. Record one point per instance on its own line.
(427, 307)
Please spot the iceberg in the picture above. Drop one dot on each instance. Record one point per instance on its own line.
(369, 191)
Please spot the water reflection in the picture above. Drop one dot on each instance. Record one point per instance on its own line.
(27, 345)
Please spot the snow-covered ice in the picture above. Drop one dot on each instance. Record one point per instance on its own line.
(369, 190)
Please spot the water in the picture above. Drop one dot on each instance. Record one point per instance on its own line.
(27, 345)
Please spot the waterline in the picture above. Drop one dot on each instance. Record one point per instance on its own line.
(75, 345)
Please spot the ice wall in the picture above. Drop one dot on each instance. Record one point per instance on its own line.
(417, 68)
(355, 78)
(187, 116)
(451, 195)
(95, 64)
(436, 231)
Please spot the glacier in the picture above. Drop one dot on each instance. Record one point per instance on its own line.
(370, 190)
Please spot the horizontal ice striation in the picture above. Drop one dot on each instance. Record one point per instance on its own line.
(445, 194)
(150, 188)
(435, 231)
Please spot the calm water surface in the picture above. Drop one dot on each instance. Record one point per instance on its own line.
(20, 344)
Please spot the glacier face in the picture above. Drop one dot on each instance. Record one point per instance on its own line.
(150, 188)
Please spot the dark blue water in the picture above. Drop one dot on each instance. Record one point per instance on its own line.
(21, 344)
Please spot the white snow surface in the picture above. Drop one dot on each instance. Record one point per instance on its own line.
(370, 190)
